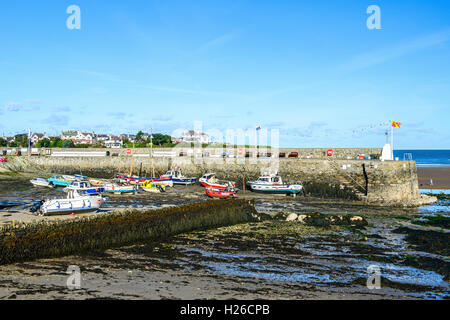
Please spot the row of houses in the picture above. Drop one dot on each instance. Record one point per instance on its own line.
(110, 140)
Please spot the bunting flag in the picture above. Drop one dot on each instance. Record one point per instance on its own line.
(258, 128)
(396, 124)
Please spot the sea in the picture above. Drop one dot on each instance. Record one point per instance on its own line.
(425, 158)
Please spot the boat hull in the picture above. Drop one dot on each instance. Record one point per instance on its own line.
(41, 183)
(276, 189)
(67, 206)
(59, 183)
(217, 193)
(184, 181)
(112, 188)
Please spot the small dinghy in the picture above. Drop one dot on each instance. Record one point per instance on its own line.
(118, 188)
(84, 187)
(209, 180)
(229, 192)
(149, 186)
(41, 182)
(74, 203)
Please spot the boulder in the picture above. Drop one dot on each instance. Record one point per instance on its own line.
(292, 217)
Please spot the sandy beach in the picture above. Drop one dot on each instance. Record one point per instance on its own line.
(440, 176)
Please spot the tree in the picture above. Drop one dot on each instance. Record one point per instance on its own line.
(56, 142)
(139, 136)
(160, 139)
(44, 143)
(68, 144)
(3, 142)
(21, 140)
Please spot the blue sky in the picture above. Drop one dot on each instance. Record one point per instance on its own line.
(311, 69)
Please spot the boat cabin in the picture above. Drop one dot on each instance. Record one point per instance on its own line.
(272, 179)
(81, 184)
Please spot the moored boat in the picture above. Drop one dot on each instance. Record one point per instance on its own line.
(209, 180)
(59, 181)
(177, 177)
(74, 203)
(131, 179)
(41, 182)
(273, 183)
(149, 186)
(221, 193)
(118, 188)
(84, 187)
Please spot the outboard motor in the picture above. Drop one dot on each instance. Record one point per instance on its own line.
(37, 206)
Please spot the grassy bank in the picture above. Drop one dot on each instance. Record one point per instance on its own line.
(54, 239)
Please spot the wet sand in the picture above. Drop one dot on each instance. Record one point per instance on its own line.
(267, 260)
(440, 176)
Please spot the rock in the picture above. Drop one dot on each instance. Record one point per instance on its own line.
(292, 217)
(301, 218)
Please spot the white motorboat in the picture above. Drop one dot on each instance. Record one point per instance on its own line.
(41, 182)
(74, 203)
(273, 183)
(84, 187)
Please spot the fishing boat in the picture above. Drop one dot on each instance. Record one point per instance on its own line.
(119, 188)
(228, 192)
(132, 179)
(272, 183)
(149, 186)
(177, 177)
(74, 203)
(59, 181)
(209, 180)
(41, 182)
(84, 187)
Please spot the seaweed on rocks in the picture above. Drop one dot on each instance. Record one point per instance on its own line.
(427, 240)
(65, 237)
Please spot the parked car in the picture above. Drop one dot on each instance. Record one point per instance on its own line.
(293, 155)
(3, 159)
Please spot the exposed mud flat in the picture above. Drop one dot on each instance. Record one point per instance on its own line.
(266, 260)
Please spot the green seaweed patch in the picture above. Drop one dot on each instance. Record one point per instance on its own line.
(427, 240)
(435, 221)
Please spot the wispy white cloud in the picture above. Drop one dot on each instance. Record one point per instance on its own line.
(13, 106)
(62, 109)
(375, 57)
(218, 41)
(58, 120)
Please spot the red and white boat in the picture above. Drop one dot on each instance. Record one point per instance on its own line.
(221, 193)
(209, 180)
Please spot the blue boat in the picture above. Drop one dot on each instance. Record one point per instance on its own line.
(59, 181)
(84, 188)
(177, 177)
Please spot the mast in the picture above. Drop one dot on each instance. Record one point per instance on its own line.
(151, 151)
(132, 156)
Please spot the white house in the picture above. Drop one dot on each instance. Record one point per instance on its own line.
(36, 137)
(114, 142)
(193, 136)
(129, 137)
(79, 137)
